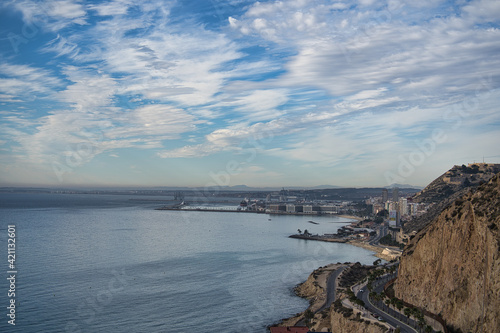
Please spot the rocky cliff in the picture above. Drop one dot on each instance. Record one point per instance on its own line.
(314, 288)
(452, 266)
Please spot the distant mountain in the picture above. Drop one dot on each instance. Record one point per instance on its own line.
(242, 188)
(319, 187)
(404, 186)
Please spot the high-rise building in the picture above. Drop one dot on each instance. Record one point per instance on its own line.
(391, 205)
(393, 218)
(403, 206)
(395, 194)
(385, 195)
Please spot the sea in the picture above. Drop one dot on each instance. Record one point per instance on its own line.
(112, 263)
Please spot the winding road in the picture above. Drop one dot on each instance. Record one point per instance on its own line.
(331, 288)
(363, 295)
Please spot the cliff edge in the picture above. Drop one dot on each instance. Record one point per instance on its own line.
(452, 266)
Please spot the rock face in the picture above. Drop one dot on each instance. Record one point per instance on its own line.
(311, 288)
(452, 266)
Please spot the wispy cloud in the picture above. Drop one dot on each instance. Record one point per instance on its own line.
(51, 15)
(26, 82)
(322, 84)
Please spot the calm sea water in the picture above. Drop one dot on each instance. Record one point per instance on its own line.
(96, 263)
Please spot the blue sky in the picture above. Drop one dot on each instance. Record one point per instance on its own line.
(270, 93)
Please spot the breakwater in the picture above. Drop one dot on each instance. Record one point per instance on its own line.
(320, 238)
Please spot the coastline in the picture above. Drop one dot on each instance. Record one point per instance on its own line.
(221, 210)
(338, 314)
(314, 289)
(379, 252)
(351, 217)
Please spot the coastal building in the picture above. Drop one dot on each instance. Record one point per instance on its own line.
(310, 209)
(393, 218)
(276, 208)
(293, 208)
(403, 206)
(413, 209)
(395, 194)
(385, 195)
(391, 205)
(329, 209)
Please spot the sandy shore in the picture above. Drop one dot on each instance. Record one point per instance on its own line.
(357, 218)
(378, 250)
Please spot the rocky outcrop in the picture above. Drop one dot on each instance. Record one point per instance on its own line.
(314, 288)
(452, 266)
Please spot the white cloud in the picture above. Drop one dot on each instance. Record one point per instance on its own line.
(111, 8)
(51, 15)
(367, 94)
(91, 124)
(91, 93)
(190, 151)
(185, 67)
(353, 50)
(156, 122)
(235, 138)
(322, 82)
(26, 81)
(256, 105)
(67, 9)
(483, 11)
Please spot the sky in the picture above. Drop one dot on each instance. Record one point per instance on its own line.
(223, 93)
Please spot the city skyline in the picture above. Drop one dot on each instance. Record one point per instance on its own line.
(264, 94)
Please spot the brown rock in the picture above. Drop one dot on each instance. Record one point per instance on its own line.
(452, 266)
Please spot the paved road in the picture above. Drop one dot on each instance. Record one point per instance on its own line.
(375, 240)
(380, 234)
(388, 318)
(331, 288)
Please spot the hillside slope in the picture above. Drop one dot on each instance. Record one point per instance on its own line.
(448, 187)
(452, 266)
